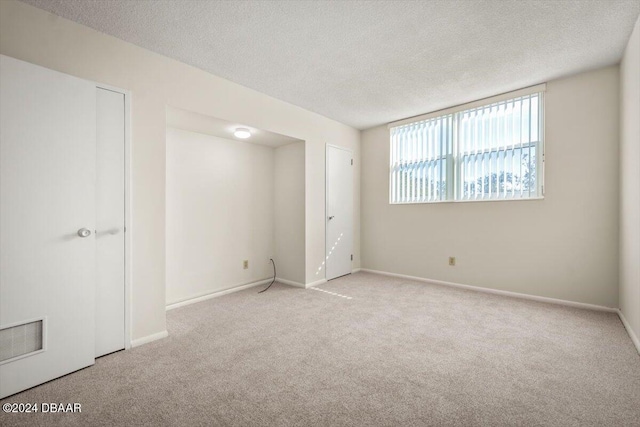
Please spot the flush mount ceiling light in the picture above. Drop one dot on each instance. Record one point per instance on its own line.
(242, 133)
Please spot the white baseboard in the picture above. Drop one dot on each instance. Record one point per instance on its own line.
(499, 292)
(632, 334)
(355, 270)
(216, 294)
(316, 283)
(290, 282)
(149, 338)
(301, 285)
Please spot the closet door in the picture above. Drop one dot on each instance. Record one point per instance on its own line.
(47, 223)
(339, 243)
(110, 222)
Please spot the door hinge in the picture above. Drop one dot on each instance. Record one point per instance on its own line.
(351, 162)
(351, 257)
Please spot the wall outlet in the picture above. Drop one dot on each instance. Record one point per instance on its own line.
(452, 260)
(245, 264)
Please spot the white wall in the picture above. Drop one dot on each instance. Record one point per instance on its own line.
(565, 246)
(630, 182)
(219, 207)
(290, 212)
(33, 35)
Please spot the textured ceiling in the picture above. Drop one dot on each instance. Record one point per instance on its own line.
(366, 63)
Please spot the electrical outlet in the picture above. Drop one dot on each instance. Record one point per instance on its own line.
(245, 264)
(452, 260)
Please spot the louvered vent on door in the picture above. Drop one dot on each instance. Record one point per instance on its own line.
(20, 340)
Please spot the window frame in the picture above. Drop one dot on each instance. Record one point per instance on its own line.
(454, 182)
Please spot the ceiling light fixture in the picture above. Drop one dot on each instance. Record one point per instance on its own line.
(242, 133)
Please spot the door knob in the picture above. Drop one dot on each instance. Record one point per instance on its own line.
(84, 232)
(331, 217)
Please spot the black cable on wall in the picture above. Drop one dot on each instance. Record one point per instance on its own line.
(274, 276)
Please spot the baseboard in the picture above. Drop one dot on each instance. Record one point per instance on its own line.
(216, 294)
(355, 270)
(499, 292)
(290, 282)
(627, 326)
(149, 338)
(316, 283)
(301, 285)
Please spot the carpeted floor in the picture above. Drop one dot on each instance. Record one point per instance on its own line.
(397, 353)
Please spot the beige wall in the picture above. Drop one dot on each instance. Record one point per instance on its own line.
(564, 246)
(220, 211)
(630, 182)
(289, 212)
(155, 81)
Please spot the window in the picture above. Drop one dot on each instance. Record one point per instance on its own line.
(487, 150)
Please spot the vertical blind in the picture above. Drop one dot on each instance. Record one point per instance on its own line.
(488, 152)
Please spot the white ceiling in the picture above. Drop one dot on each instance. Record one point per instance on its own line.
(366, 63)
(195, 122)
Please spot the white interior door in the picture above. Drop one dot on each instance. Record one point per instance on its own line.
(110, 222)
(47, 194)
(339, 245)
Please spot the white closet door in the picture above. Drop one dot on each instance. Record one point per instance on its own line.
(339, 245)
(47, 202)
(110, 222)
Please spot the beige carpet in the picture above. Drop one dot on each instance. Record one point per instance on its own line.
(398, 353)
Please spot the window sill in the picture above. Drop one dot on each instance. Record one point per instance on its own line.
(528, 199)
